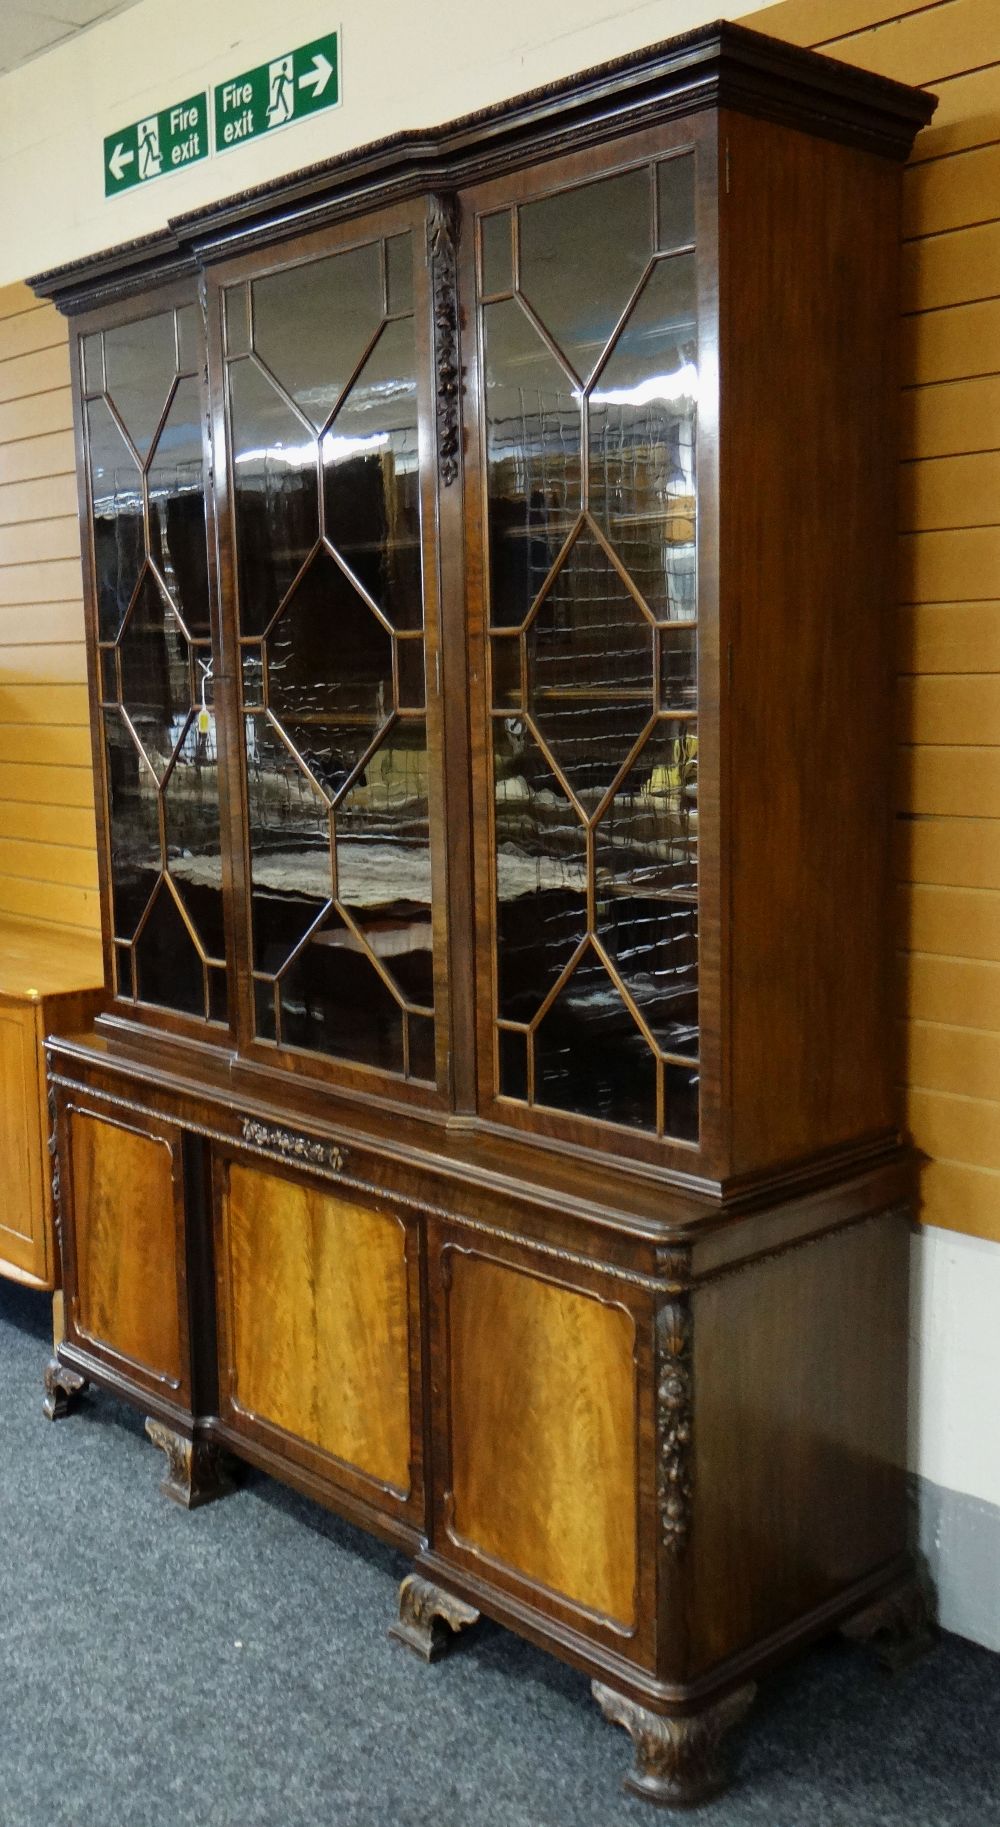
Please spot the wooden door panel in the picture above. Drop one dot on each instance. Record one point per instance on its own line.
(543, 1432)
(22, 1242)
(125, 1230)
(318, 1324)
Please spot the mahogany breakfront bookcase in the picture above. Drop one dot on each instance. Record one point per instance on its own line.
(487, 540)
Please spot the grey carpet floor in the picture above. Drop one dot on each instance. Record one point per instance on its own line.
(230, 1668)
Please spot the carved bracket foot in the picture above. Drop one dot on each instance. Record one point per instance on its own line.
(897, 1628)
(63, 1388)
(429, 1618)
(197, 1471)
(678, 1760)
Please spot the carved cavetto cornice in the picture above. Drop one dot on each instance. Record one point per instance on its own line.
(718, 66)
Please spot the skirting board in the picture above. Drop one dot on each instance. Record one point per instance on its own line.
(959, 1539)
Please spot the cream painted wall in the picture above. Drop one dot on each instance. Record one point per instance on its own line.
(403, 66)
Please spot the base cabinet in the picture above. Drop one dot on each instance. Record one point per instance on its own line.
(669, 1465)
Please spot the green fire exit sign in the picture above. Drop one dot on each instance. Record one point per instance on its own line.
(277, 93)
(163, 142)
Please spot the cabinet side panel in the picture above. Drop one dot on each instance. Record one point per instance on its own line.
(543, 1432)
(318, 1325)
(809, 269)
(124, 1218)
(22, 1241)
(799, 1432)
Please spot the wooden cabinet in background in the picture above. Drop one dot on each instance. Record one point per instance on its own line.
(492, 1132)
(50, 983)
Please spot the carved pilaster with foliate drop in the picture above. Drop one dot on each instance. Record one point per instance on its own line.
(442, 237)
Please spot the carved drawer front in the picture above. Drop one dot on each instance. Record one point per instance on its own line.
(316, 1333)
(125, 1219)
(543, 1432)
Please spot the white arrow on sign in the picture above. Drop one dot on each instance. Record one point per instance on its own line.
(118, 161)
(317, 78)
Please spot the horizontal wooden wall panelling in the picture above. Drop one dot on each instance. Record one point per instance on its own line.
(47, 456)
(961, 708)
(956, 267)
(961, 1198)
(949, 637)
(949, 853)
(945, 492)
(54, 663)
(48, 862)
(950, 419)
(956, 990)
(948, 792)
(37, 499)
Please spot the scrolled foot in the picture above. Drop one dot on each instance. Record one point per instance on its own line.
(63, 1388)
(897, 1628)
(429, 1618)
(678, 1761)
(197, 1471)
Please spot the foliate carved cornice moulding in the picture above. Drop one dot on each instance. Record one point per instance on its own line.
(674, 1422)
(292, 1147)
(441, 240)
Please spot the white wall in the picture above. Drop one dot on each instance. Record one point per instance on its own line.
(403, 64)
(955, 1359)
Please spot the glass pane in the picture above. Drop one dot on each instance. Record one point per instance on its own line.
(334, 1001)
(371, 478)
(177, 532)
(140, 363)
(533, 460)
(264, 1016)
(498, 269)
(384, 862)
(275, 495)
(237, 320)
(194, 845)
(168, 969)
(422, 1060)
(541, 862)
(289, 821)
(678, 668)
(513, 1065)
(590, 670)
(508, 684)
(123, 967)
(109, 675)
(93, 363)
(253, 677)
(156, 675)
(313, 323)
(189, 353)
(116, 497)
(675, 199)
(583, 253)
(399, 265)
(135, 827)
(642, 441)
(412, 695)
(328, 655)
(681, 1088)
(590, 1055)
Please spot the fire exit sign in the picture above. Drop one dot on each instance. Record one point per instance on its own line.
(277, 93)
(163, 142)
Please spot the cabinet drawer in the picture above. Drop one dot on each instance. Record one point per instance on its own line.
(319, 1328)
